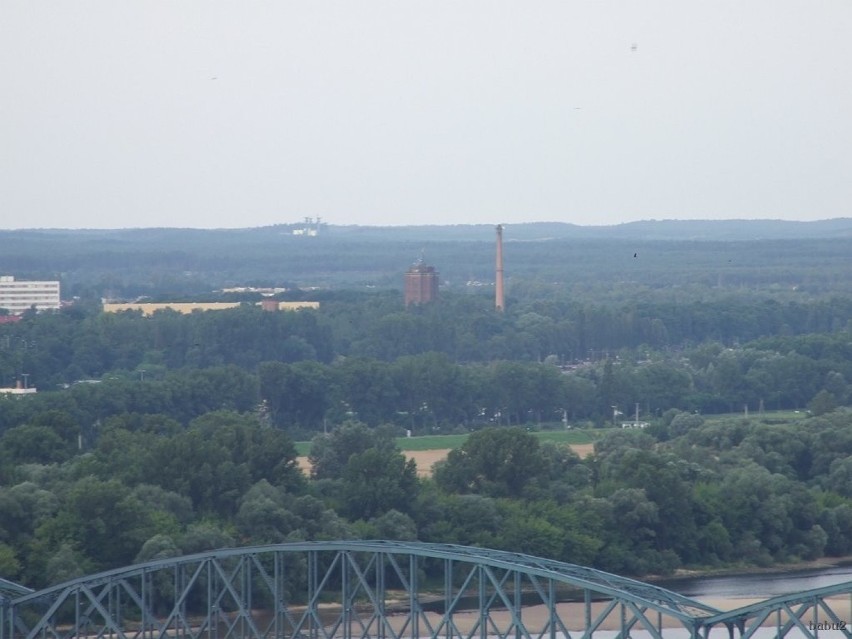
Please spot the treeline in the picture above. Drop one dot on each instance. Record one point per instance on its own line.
(82, 343)
(686, 494)
(427, 392)
(177, 262)
(151, 437)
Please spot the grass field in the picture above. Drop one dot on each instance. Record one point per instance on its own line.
(576, 437)
(768, 417)
(442, 442)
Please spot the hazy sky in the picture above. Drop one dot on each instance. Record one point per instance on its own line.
(246, 113)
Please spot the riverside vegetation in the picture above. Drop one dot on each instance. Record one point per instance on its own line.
(153, 437)
(199, 453)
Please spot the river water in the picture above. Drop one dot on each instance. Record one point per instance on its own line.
(750, 586)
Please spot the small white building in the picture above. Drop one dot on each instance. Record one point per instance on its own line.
(18, 390)
(18, 296)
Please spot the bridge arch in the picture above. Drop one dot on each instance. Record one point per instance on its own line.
(361, 590)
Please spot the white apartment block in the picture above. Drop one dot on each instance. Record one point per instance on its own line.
(17, 297)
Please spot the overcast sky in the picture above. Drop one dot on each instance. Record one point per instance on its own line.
(246, 113)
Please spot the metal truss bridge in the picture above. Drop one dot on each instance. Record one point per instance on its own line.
(390, 590)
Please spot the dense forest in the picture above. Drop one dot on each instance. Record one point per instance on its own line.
(809, 258)
(155, 436)
(734, 491)
(457, 364)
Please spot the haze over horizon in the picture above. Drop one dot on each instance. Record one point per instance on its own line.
(207, 114)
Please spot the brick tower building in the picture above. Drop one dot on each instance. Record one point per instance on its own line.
(421, 284)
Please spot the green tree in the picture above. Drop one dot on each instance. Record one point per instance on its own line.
(525, 532)
(157, 547)
(217, 459)
(103, 520)
(34, 444)
(682, 423)
(431, 390)
(263, 517)
(395, 525)
(297, 394)
(10, 567)
(366, 388)
(203, 536)
(65, 564)
(378, 480)
(499, 462)
(822, 403)
(330, 453)
(662, 386)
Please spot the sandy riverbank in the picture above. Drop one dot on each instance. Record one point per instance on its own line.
(572, 615)
(425, 459)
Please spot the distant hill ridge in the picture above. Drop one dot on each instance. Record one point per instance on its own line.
(691, 230)
(676, 230)
(733, 229)
(178, 264)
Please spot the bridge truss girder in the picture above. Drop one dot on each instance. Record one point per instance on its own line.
(343, 590)
(371, 590)
(810, 614)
